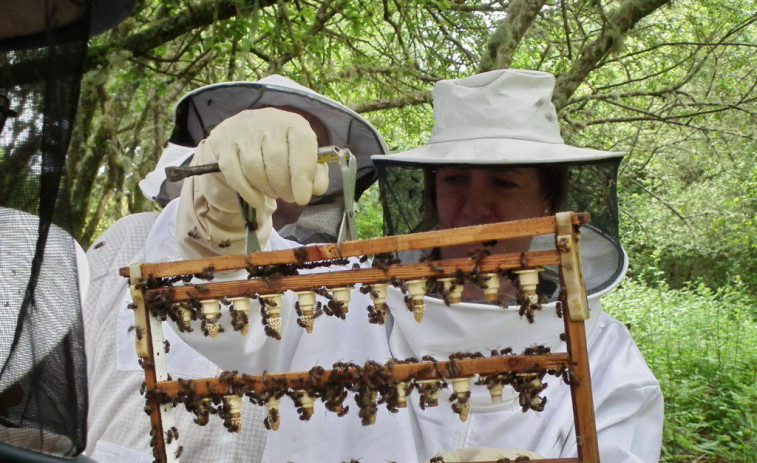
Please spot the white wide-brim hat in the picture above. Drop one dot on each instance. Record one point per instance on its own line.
(497, 117)
(506, 118)
(202, 109)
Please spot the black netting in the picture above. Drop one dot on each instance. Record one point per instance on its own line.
(43, 386)
(408, 196)
(592, 187)
(409, 206)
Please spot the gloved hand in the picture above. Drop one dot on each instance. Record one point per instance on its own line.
(264, 154)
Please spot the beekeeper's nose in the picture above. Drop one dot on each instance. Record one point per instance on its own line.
(477, 201)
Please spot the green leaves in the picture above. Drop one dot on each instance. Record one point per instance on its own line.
(679, 98)
(701, 344)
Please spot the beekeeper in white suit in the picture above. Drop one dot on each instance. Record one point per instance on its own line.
(118, 429)
(495, 154)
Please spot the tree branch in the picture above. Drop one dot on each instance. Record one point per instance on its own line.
(507, 36)
(623, 20)
(194, 16)
(410, 99)
(325, 12)
(662, 201)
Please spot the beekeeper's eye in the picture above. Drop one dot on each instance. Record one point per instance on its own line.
(501, 183)
(504, 181)
(454, 178)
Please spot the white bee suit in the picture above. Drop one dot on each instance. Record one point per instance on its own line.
(118, 428)
(325, 437)
(627, 397)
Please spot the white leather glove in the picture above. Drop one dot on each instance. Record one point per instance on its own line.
(264, 154)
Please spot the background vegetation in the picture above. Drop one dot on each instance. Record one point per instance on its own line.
(672, 83)
(701, 345)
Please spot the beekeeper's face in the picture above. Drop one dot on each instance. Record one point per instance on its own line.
(466, 197)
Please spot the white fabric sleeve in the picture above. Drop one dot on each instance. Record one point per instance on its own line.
(172, 156)
(629, 426)
(628, 405)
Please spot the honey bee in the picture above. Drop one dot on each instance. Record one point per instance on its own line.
(227, 376)
(144, 363)
(224, 244)
(316, 373)
(559, 309)
(435, 268)
(301, 254)
(193, 233)
(202, 288)
(139, 332)
(452, 368)
(273, 416)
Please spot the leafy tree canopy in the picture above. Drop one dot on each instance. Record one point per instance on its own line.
(672, 83)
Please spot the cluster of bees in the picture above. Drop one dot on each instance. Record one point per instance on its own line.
(371, 385)
(308, 307)
(439, 459)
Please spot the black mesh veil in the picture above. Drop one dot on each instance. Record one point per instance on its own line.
(408, 199)
(43, 384)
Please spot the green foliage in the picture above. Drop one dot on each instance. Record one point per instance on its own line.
(700, 224)
(369, 216)
(701, 345)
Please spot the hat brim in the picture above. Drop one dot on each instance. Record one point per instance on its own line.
(29, 24)
(202, 109)
(497, 151)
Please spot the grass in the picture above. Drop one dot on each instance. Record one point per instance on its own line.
(702, 346)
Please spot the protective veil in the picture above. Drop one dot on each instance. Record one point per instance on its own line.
(43, 383)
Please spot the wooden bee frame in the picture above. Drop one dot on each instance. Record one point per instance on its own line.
(152, 297)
